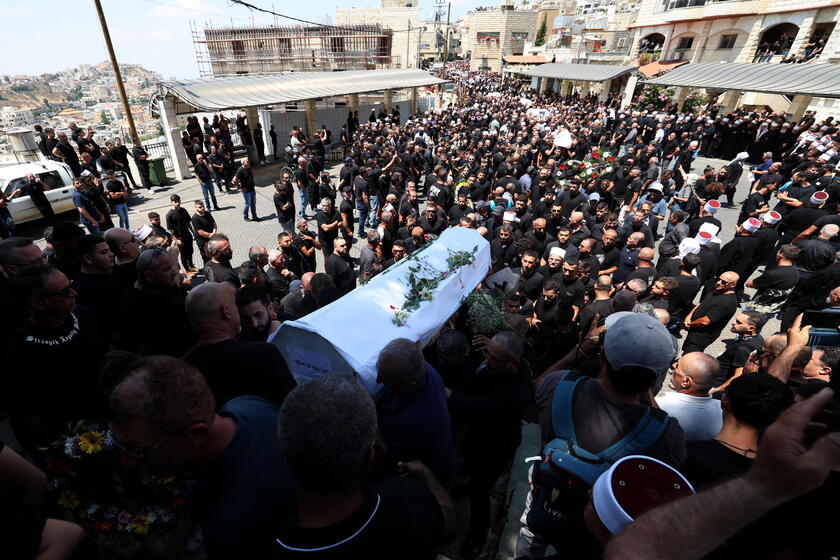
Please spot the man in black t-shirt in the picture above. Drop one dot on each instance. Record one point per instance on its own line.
(328, 223)
(179, 225)
(204, 226)
(307, 243)
(259, 366)
(140, 156)
(399, 517)
(244, 181)
(34, 188)
(706, 321)
(745, 325)
(339, 267)
(774, 284)
(50, 365)
(218, 268)
(152, 315)
(284, 203)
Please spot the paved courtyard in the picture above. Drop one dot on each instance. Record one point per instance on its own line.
(246, 234)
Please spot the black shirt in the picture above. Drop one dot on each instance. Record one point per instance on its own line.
(719, 308)
(340, 269)
(55, 373)
(178, 223)
(202, 171)
(246, 179)
(399, 518)
(282, 198)
(205, 223)
(35, 192)
(327, 237)
(101, 294)
(235, 367)
(735, 356)
(155, 323)
(221, 272)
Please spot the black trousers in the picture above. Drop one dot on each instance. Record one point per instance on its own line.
(186, 251)
(144, 176)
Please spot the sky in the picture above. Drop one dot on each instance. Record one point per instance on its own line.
(153, 33)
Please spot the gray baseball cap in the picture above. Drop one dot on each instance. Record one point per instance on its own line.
(637, 340)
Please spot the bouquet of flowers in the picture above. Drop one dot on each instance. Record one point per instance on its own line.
(600, 163)
(122, 510)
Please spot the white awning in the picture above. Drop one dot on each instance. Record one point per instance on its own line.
(215, 94)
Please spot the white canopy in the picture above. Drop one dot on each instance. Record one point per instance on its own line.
(347, 335)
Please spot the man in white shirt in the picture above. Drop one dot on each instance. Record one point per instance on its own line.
(699, 414)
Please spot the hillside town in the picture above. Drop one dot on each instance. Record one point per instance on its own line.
(519, 280)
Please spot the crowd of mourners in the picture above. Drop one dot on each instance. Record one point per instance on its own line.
(621, 284)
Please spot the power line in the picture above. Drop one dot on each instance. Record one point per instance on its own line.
(193, 10)
(338, 27)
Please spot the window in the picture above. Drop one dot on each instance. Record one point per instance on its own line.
(52, 179)
(685, 43)
(238, 48)
(519, 36)
(727, 41)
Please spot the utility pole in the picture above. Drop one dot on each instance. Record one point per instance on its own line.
(446, 48)
(126, 107)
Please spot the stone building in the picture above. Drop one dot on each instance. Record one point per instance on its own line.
(747, 31)
(401, 18)
(493, 33)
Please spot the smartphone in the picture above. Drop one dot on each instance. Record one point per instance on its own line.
(824, 327)
(824, 319)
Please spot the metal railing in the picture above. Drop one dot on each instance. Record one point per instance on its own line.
(668, 5)
(157, 149)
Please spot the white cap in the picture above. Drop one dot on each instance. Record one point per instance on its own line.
(143, 232)
(557, 252)
(771, 217)
(703, 237)
(711, 206)
(751, 224)
(710, 228)
(510, 216)
(634, 485)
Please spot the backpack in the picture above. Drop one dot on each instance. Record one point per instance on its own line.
(562, 480)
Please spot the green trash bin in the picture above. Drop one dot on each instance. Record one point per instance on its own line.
(157, 172)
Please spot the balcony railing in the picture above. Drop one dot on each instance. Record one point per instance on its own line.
(667, 5)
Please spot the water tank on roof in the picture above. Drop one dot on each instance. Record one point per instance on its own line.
(23, 144)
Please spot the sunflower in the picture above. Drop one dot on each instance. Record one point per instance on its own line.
(91, 442)
(68, 500)
(140, 525)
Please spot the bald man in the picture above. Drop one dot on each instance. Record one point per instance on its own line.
(706, 321)
(644, 267)
(299, 302)
(629, 257)
(232, 367)
(698, 413)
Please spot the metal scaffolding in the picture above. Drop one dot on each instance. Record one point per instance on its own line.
(236, 51)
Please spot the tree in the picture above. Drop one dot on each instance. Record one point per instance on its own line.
(541, 32)
(103, 118)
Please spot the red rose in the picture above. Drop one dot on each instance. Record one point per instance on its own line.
(611, 159)
(102, 527)
(581, 166)
(594, 174)
(596, 155)
(392, 307)
(562, 167)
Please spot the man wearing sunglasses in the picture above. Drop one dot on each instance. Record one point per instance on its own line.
(163, 419)
(706, 321)
(52, 360)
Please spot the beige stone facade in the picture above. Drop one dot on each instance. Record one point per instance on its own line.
(394, 15)
(494, 33)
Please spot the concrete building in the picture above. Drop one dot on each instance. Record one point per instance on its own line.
(14, 117)
(493, 33)
(748, 31)
(236, 51)
(401, 18)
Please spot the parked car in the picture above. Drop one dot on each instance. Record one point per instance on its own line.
(56, 176)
